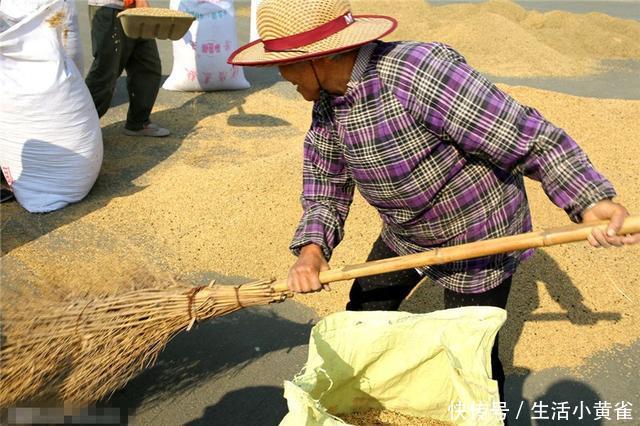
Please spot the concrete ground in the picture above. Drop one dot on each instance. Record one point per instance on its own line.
(230, 371)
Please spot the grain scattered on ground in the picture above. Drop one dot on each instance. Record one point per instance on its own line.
(222, 194)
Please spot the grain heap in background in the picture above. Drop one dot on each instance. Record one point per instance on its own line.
(502, 38)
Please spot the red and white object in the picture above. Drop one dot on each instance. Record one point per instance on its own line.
(200, 57)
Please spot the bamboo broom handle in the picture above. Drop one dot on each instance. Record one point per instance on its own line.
(550, 237)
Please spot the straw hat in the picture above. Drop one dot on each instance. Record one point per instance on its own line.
(296, 30)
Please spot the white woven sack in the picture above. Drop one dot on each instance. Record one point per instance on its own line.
(70, 31)
(51, 142)
(253, 27)
(200, 57)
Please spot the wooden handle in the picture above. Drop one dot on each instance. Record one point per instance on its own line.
(438, 256)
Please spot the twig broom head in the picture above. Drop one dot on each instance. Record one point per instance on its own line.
(85, 350)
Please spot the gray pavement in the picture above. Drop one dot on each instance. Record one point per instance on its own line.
(622, 81)
(608, 380)
(228, 371)
(626, 9)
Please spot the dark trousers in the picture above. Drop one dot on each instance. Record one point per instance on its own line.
(114, 52)
(385, 292)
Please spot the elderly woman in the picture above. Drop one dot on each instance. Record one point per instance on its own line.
(437, 149)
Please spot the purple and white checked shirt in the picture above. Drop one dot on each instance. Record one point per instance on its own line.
(440, 152)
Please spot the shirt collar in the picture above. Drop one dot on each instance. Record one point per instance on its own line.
(362, 60)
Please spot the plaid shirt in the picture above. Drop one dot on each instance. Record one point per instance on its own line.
(440, 152)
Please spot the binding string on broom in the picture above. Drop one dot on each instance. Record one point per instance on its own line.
(237, 289)
(80, 316)
(193, 316)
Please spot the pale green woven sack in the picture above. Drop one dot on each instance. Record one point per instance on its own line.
(435, 365)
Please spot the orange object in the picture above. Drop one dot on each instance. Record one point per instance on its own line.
(129, 4)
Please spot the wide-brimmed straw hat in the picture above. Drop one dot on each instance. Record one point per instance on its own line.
(296, 30)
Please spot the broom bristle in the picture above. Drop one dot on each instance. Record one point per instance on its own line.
(85, 350)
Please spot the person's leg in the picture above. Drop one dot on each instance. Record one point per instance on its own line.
(495, 297)
(6, 194)
(382, 292)
(143, 81)
(106, 35)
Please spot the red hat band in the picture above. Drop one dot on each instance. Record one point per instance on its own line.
(309, 37)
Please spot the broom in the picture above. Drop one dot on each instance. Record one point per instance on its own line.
(84, 350)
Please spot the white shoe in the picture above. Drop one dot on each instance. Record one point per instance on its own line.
(149, 129)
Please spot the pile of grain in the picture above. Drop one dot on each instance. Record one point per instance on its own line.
(156, 12)
(502, 38)
(389, 418)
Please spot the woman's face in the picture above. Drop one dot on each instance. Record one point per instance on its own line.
(301, 75)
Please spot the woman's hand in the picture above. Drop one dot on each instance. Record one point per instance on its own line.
(304, 274)
(615, 213)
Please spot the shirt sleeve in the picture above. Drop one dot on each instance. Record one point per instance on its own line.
(327, 189)
(462, 106)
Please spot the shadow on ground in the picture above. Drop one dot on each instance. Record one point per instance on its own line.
(221, 350)
(252, 406)
(541, 269)
(524, 300)
(565, 401)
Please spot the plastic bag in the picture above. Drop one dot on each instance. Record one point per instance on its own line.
(421, 365)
